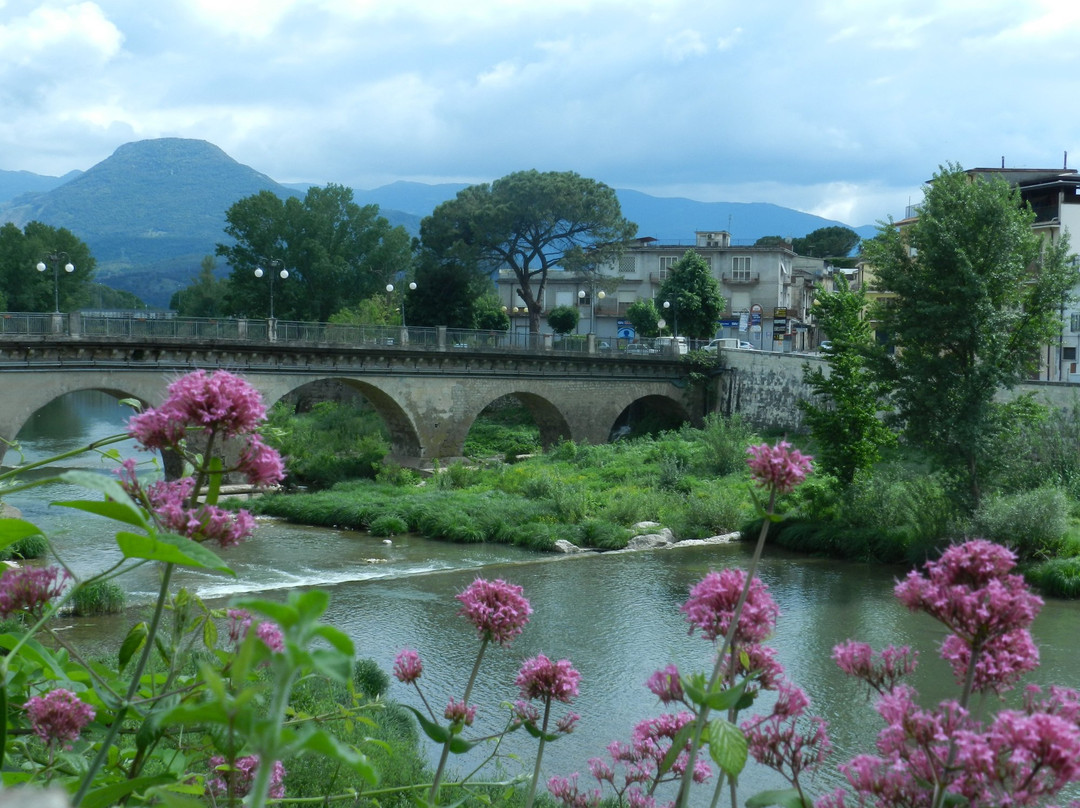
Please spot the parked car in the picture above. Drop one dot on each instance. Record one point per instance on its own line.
(825, 346)
(640, 349)
(728, 342)
(665, 344)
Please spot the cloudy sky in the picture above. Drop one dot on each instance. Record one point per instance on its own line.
(837, 107)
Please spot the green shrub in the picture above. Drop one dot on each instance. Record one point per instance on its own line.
(36, 546)
(98, 597)
(602, 535)
(1057, 578)
(388, 525)
(726, 441)
(1032, 523)
(538, 535)
(708, 511)
(369, 679)
(390, 473)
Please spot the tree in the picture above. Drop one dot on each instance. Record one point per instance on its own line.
(643, 316)
(773, 241)
(528, 221)
(24, 288)
(204, 297)
(846, 421)
(694, 296)
(337, 253)
(563, 319)
(977, 292)
(449, 291)
(827, 242)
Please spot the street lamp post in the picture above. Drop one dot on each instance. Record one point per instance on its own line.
(273, 263)
(390, 291)
(580, 300)
(54, 258)
(674, 316)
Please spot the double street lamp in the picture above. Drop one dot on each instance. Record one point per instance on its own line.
(674, 315)
(273, 263)
(592, 306)
(55, 258)
(390, 291)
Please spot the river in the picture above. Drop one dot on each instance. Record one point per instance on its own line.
(615, 616)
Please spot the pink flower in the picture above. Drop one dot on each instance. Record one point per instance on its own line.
(458, 712)
(567, 723)
(219, 401)
(407, 666)
(779, 467)
(971, 590)
(242, 775)
(58, 716)
(712, 604)
(540, 678)
(526, 713)
(565, 790)
(261, 464)
(267, 631)
(30, 588)
(666, 685)
(496, 608)
(881, 671)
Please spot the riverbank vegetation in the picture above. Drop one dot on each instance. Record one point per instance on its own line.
(899, 510)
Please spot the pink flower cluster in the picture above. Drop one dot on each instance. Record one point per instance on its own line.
(58, 716)
(780, 741)
(778, 467)
(407, 666)
(267, 631)
(712, 602)
(971, 590)
(170, 503)
(497, 609)
(219, 401)
(241, 776)
(541, 678)
(458, 712)
(1015, 758)
(30, 588)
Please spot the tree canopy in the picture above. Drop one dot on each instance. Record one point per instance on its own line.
(844, 417)
(643, 315)
(205, 297)
(827, 242)
(694, 295)
(529, 221)
(563, 319)
(337, 253)
(23, 288)
(977, 291)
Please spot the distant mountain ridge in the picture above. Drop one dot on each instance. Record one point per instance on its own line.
(155, 208)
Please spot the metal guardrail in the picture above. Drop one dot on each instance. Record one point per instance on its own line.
(76, 325)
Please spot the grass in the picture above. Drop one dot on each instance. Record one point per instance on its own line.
(97, 598)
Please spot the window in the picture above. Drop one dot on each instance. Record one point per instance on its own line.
(740, 267)
(666, 263)
(627, 264)
(1068, 353)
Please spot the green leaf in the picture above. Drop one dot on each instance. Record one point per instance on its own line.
(213, 492)
(170, 549)
(13, 530)
(102, 483)
(785, 797)
(126, 512)
(332, 663)
(727, 746)
(437, 733)
(132, 643)
(534, 730)
(109, 795)
(725, 699)
(337, 638)
(323, 743)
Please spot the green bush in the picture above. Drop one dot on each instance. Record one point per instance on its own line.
(388, 525)
(538, 535)
(709, 510)
(28, 547)
(726, 441)
(1032, 523)
(602, 535)
(97, 598)
(1056, 578)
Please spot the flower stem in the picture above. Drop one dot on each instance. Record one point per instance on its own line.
(539, 754)
(433, 795)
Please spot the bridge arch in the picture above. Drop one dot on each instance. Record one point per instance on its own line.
(548, 417)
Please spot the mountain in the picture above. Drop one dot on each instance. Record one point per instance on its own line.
(155, 208)
(14, 184)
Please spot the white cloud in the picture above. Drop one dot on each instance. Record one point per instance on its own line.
(684, 45)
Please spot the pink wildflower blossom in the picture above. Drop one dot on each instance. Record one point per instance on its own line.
(261, 464)
(458, 712)
(565, 790)
(407, 666)
(666, 685)
(541, 678)
(496, 608)
(525, 712)
(778, 740)
(880, 671)
(779, 467)
(651, 740)
(267, 631)
(712, 603)
(242, 776)
(58, 716)
(30, 588)
(971, 590)
(566, 724)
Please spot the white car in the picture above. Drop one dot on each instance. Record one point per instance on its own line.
(640, 349)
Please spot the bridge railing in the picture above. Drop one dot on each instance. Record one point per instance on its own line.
(137, 326)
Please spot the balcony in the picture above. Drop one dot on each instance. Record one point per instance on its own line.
(741, 279)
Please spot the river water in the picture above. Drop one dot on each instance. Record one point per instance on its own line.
(615, 616)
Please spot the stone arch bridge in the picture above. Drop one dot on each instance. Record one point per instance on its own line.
(427, 396)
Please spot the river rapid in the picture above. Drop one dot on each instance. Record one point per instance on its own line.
(615, 615)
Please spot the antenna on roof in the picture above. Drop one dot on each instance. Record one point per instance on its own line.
(1065, 166)
(1003, 161)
